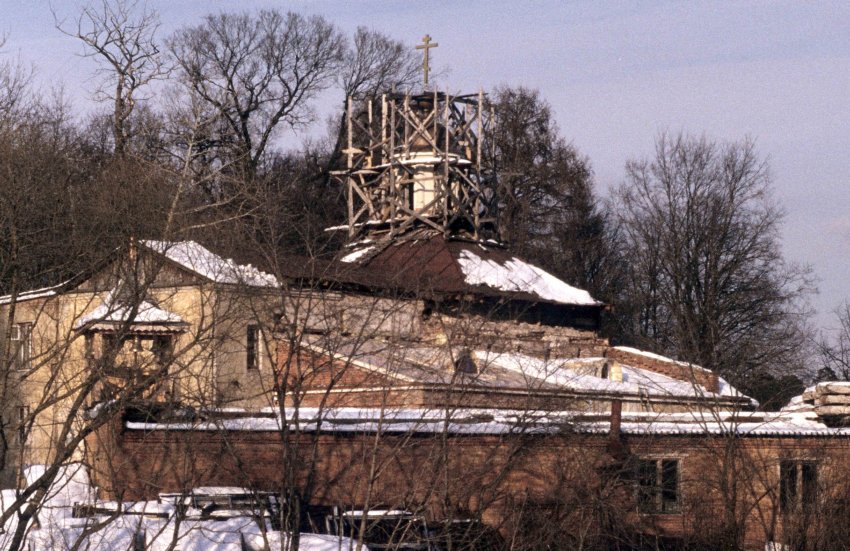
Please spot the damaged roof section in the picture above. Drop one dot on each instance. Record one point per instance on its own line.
(436, 264)
(471, 372)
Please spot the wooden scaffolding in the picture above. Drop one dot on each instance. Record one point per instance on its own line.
(415, 161)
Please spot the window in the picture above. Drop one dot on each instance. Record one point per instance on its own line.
(22, 344)
(798, 484)
(23, 420)
(252, 347)
(658, 485)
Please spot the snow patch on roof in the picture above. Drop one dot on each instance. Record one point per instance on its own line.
(354, 256)
(110, 312)
(44, 292)
(516, 275)
(798, 405)
(197, 258)
(578, 374)
(501, 421)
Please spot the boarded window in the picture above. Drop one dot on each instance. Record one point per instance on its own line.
(658, 485)
(252, 347)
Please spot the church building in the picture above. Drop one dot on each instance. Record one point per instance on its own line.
(425, 368)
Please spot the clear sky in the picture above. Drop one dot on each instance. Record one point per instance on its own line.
(616, 74)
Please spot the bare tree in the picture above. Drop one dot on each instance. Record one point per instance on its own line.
(375, 63)
(121, 35)
(545, 193)
(14, 83)
(706, 279)
(372, 64)
(257, 71)
(834, 348)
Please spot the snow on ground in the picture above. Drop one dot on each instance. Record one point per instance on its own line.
(232, 534)
(154, 522)
(516, 275)
(70, 486)
(199, 259)
(7, 499)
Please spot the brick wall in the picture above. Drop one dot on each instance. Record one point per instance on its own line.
(502, 477)
(676, 370)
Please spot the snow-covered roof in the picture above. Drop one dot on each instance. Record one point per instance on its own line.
(197, 258)
(433, 263)
(111, 311)
(434, 365)
(44, 292)
(782, 423)
(507, 421)
(516, 275)
(356, 254)
(574, 374)
(659, 357)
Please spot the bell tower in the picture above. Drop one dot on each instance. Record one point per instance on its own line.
(415, 161)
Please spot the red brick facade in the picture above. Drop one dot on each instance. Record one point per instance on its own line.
(729, 487)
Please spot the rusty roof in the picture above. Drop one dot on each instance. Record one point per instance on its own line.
(433, 264)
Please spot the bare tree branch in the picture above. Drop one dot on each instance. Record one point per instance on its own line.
(121, 35)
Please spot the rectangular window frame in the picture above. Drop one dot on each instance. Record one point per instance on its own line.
(23, 419)
(21, 338)
(798, 485)
(658, 485)
(252, 347)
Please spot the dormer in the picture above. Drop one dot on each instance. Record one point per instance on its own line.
(130, 341)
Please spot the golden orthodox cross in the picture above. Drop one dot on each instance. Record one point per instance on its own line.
(426, 46)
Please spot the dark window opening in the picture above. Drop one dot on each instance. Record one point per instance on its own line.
(787, 484)
(809, 482)
(465, 364)
(798, 484)
(22, 343)
(133, 355)
(669, 485)
(23, 421)
(252, 347)
(658, 486)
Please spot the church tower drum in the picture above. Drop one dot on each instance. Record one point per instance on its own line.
(415, 161)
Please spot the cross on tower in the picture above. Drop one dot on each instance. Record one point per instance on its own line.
(426, 46)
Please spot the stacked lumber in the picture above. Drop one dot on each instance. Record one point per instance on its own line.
(831, 399)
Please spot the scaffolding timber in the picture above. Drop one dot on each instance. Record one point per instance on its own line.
(415, 161)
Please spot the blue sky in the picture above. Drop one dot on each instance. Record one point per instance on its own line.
(616, 74)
